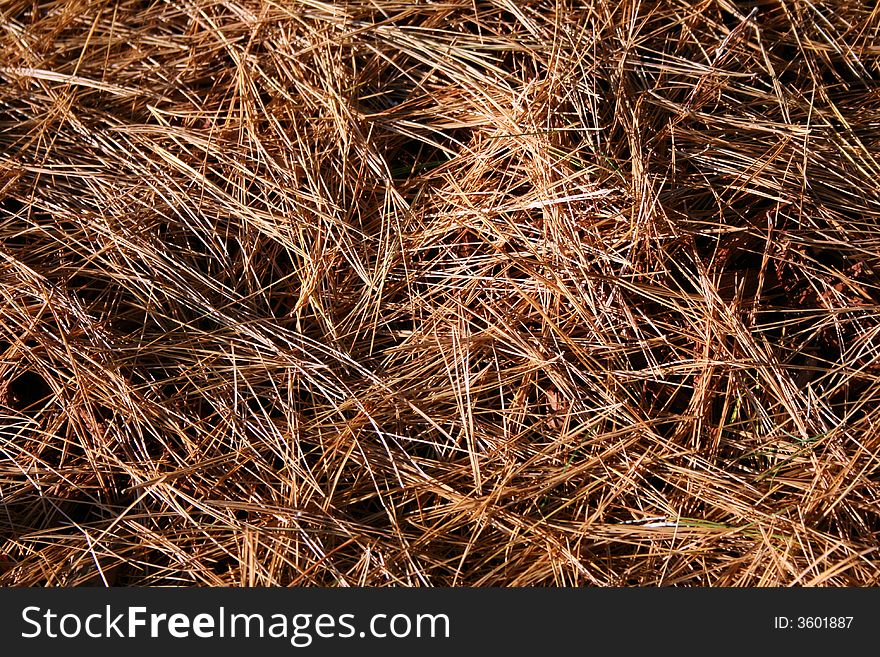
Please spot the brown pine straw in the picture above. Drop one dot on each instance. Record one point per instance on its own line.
(438, 293)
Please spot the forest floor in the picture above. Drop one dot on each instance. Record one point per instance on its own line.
(508, 293)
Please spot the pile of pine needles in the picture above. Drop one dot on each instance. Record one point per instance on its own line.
(439, 293)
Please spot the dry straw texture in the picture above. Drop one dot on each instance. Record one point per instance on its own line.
(441, 292)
